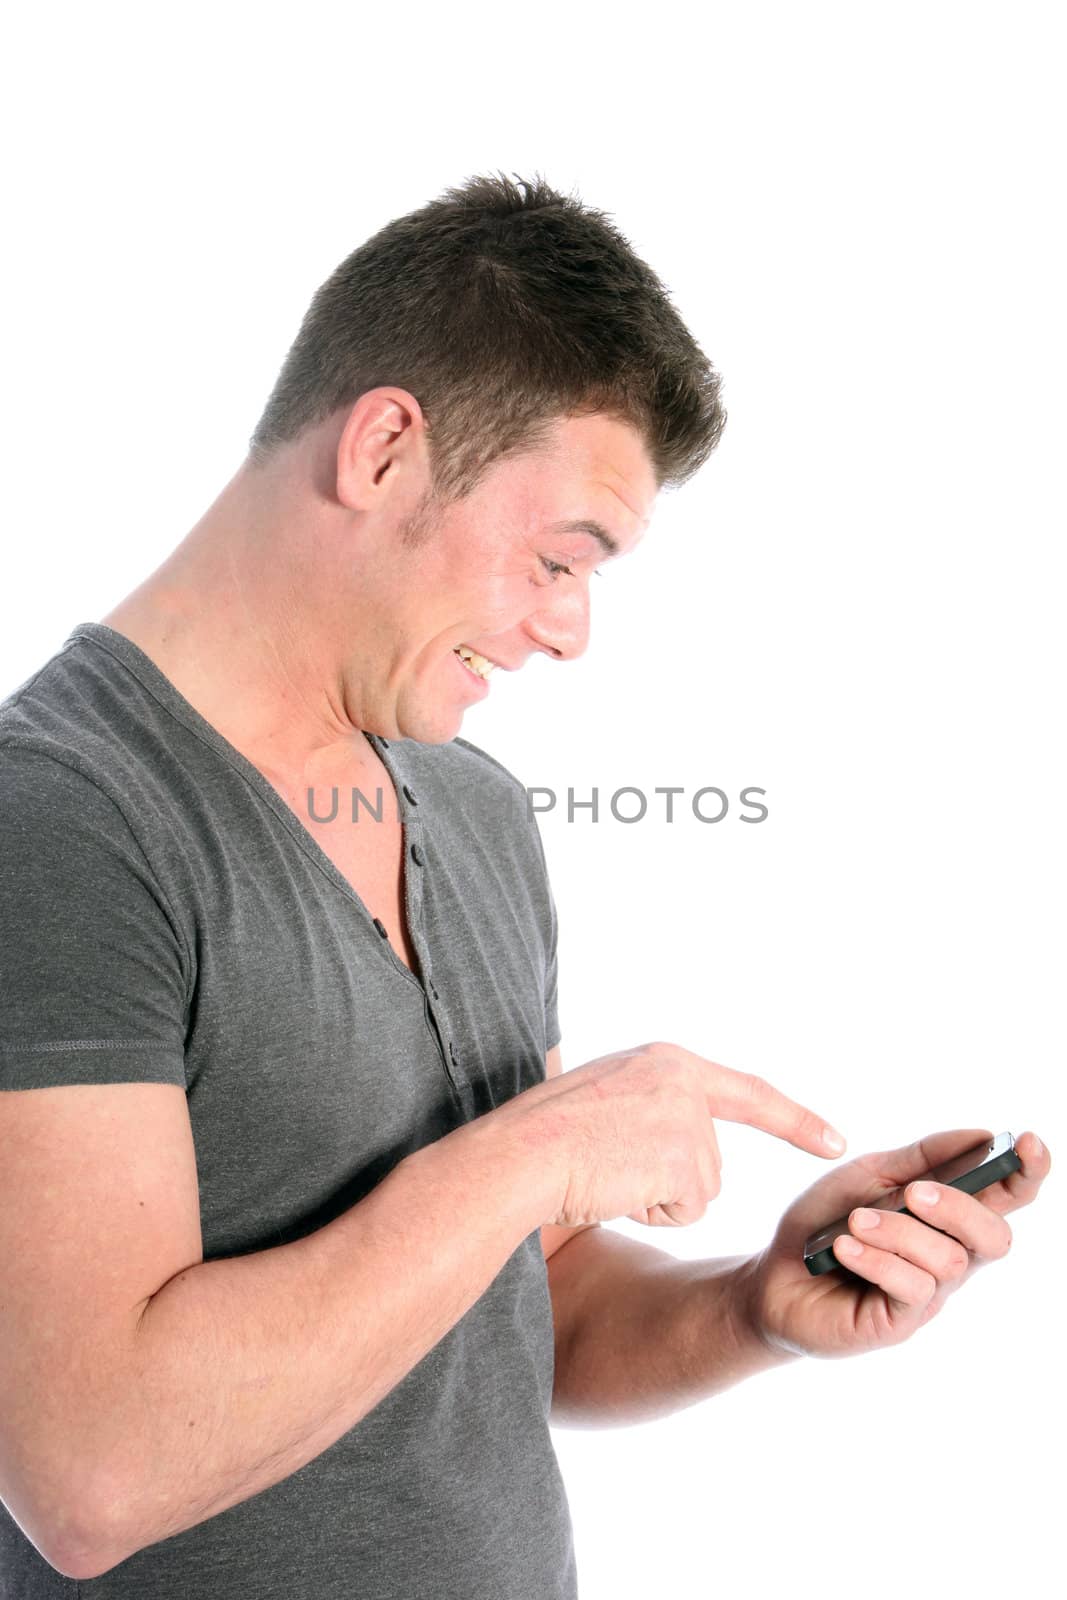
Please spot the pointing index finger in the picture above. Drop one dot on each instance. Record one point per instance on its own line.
(745, 1097)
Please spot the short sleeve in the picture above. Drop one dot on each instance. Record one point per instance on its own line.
(92, 978)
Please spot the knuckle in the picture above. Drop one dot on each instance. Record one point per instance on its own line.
(678, 1073)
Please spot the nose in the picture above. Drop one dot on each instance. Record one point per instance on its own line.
(560, 626)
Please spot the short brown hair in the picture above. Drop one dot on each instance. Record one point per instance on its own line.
(502, 307)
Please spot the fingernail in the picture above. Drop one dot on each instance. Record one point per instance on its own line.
(833, 1140)
(925, 1193)
(866, 1219)
(849, 1246)
(1039, 1148)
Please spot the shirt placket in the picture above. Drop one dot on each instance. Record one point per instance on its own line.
(415, 867)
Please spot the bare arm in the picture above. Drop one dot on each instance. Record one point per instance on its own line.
(265, 1360)
(640, 1334)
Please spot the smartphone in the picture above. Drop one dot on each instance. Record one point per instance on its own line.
(975, 1169)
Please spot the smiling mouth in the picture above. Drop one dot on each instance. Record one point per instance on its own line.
(479, 665)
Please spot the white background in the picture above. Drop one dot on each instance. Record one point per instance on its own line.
(857, 606)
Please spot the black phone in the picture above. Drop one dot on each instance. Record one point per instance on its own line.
(975, 1169)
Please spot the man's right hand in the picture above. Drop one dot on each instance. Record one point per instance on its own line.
(632, 1133)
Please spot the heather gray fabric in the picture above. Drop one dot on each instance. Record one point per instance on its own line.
(165, 917)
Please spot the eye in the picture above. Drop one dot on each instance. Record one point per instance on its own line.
(556, 567)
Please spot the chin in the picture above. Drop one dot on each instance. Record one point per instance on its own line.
(430, 729)
(443, 737)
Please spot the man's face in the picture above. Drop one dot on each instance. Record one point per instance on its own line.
(500, 572)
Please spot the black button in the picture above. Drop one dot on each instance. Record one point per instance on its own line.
(380, 925)
(451, 1049)
(383, 742)
(416, 855)
(411, 795)
(433, 991)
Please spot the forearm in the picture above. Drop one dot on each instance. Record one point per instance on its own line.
(245, 1369)
(640, 1334)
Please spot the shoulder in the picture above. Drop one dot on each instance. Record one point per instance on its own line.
(65, 838)
(85, 727)
(36, 767)
(61, 729)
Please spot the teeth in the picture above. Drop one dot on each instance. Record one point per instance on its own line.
(480, 665)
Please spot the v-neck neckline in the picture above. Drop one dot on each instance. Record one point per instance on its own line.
(171, 698)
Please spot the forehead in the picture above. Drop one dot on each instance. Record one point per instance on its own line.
(589, 467)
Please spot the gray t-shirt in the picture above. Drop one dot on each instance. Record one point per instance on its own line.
(165, 917)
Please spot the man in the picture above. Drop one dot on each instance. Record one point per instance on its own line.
(300, 1220)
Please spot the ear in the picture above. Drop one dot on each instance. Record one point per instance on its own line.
(382, 444)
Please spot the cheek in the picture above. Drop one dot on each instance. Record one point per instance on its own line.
(505, 599)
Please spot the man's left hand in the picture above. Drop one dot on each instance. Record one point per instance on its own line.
(908, 1265)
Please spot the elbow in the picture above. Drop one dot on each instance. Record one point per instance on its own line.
(83, 1559)
(77, 1568)
(83, 1562)
(89, 1549)
(58, 1536)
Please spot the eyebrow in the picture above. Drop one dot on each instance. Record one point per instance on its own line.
(584, 525)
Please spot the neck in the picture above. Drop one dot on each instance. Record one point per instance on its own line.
(226, 618)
